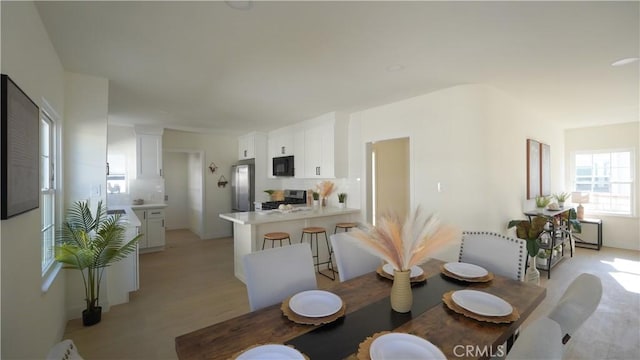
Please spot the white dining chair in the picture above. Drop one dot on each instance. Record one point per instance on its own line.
(274, 274)
(577, 303)
(64, 350)
(539, 340)
(351, 259)
(500, 254)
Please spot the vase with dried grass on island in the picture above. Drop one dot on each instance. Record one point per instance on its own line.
(404, 244)
(325, 188)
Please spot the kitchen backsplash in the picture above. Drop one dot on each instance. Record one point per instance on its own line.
(150, 190)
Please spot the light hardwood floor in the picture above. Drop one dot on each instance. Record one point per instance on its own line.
(191, 285)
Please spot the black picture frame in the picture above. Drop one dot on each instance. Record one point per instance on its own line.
(20, 151)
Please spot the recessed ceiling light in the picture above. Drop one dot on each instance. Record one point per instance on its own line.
(394, 68)
(239, 5)
(624, 61)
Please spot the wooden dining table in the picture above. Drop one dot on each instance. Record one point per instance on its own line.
(368, 311)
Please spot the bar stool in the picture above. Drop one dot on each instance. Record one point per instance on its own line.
(345, 226)
(275, 236)
(315, 230)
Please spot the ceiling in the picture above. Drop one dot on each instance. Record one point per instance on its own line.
(205, 66)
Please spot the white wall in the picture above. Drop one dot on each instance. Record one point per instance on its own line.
(457, 138)
(222, 149)
(32, 320)
(618, 231)
(85, 139)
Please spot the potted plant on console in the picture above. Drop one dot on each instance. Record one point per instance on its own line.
(562, 198)
(342, 200)
(90, 244)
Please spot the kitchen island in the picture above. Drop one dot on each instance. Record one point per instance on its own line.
(249, 228)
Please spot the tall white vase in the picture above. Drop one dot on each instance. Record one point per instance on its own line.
(532, 275)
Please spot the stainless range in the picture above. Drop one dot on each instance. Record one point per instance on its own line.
(293, 197)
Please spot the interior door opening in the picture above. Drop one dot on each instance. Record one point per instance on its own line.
(388, 173)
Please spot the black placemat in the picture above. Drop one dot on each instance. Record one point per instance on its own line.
(341, 338)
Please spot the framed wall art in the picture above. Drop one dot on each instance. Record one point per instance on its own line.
(545, 172)
(20, 152)
(533, 169)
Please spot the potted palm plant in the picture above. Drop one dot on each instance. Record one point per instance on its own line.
(90, 244)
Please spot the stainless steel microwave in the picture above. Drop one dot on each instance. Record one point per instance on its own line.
(283, 166)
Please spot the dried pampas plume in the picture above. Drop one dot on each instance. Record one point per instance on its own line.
(404, 245)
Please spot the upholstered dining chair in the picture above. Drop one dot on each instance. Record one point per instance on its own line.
(351, 260)
(274, 274)
(500, 254)
(577, 303)
(64, 350)
(539, 340)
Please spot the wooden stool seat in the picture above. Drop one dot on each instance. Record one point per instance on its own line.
(344, 225)
(315, 230)
(275, 236)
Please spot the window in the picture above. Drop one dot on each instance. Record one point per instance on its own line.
(608, 176)
(50, 208)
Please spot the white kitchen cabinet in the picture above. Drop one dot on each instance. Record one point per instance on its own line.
(321, 148)
(152, 228)
(148, 153)
(250, 144)
(279, 143)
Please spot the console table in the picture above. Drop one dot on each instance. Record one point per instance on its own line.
(557, 235)
(589, 245)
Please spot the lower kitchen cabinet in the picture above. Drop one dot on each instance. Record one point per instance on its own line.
(152, 228)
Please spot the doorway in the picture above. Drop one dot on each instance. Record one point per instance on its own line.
(184, 190)
(389, 178)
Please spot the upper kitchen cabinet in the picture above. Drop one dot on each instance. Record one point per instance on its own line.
(148, 152)
(279, 143)
(247, 145)
(321, 147)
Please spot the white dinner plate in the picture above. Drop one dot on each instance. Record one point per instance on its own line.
(403, 346)
(315, 303)
(271, 351)
(481, 303)
(415, 270)
(466, 270)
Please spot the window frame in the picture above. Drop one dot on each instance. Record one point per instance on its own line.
(50, 270)
(632, 181)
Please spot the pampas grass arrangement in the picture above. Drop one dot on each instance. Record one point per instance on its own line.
(405, 244)
(326, 188)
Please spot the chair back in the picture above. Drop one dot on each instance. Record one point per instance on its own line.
(500, 254)
(64, 350)
(351, 259)
(539, 340)
(577, 303)
(274, 274)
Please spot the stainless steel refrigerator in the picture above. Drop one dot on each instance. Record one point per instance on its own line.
(242, 187)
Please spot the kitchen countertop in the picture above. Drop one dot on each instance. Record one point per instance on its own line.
(270, 216)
